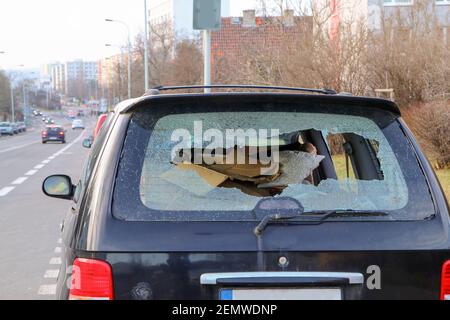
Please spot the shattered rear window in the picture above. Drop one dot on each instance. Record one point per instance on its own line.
(217, 166)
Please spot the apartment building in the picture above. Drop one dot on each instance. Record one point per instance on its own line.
(374, 13)
(80, 76)
(438, 10)
(56, 71)
(108, 81)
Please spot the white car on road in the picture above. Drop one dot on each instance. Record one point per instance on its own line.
(77, 124)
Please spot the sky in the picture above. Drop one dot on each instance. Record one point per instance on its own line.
(35, 32)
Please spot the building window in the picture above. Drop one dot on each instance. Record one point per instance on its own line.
(397, 2)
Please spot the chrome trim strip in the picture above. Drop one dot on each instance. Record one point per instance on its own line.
(211, 278)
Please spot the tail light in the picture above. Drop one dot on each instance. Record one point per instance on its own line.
(61, 132)
(44, 133)
(91, 280)
(445, 281)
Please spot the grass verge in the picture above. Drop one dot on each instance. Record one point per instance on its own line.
(444, 178)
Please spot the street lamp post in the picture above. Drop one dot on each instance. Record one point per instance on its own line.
(25, 106)
(129, 52)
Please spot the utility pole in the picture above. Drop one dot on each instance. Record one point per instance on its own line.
(146, 71)
(24, 101)
(12, 103)
(207, 59)
(47, 98)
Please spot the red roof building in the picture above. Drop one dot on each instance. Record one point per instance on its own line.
(241, 37)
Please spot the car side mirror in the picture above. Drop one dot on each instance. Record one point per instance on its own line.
(58, 186)
(87, 143)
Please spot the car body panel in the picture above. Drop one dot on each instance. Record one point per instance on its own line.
(174, 275)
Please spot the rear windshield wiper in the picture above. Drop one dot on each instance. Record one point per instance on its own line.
(313, 217)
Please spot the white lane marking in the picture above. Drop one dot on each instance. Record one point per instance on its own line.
(59, 240)
(6, 190)
(49, 289)
(53, 274)
(55, 260)
(20, 180)
(51, 158)
(18, 147)
(39, 166)
(58, 250)
(31, 172)
(65, 148)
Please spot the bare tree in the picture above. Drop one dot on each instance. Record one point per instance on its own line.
(430, 123)
(303, 53)
(409, 54)
(162, 39)
(5, 99)
(187, 64)
(172, 60)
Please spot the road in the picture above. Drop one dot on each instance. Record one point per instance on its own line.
(30, 221)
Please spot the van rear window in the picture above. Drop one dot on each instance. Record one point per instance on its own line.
(217, 166)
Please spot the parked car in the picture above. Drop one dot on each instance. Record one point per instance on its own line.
(49, 120)
(254, 195)
(6, 128)
(87, 143)
(71, 114)
(53, 133)
(16, 127)
(77, 124)
(100, 121)
(22, 127)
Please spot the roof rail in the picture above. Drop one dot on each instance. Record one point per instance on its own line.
(156, 90)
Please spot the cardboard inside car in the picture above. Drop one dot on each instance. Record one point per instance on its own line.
(245, 171)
